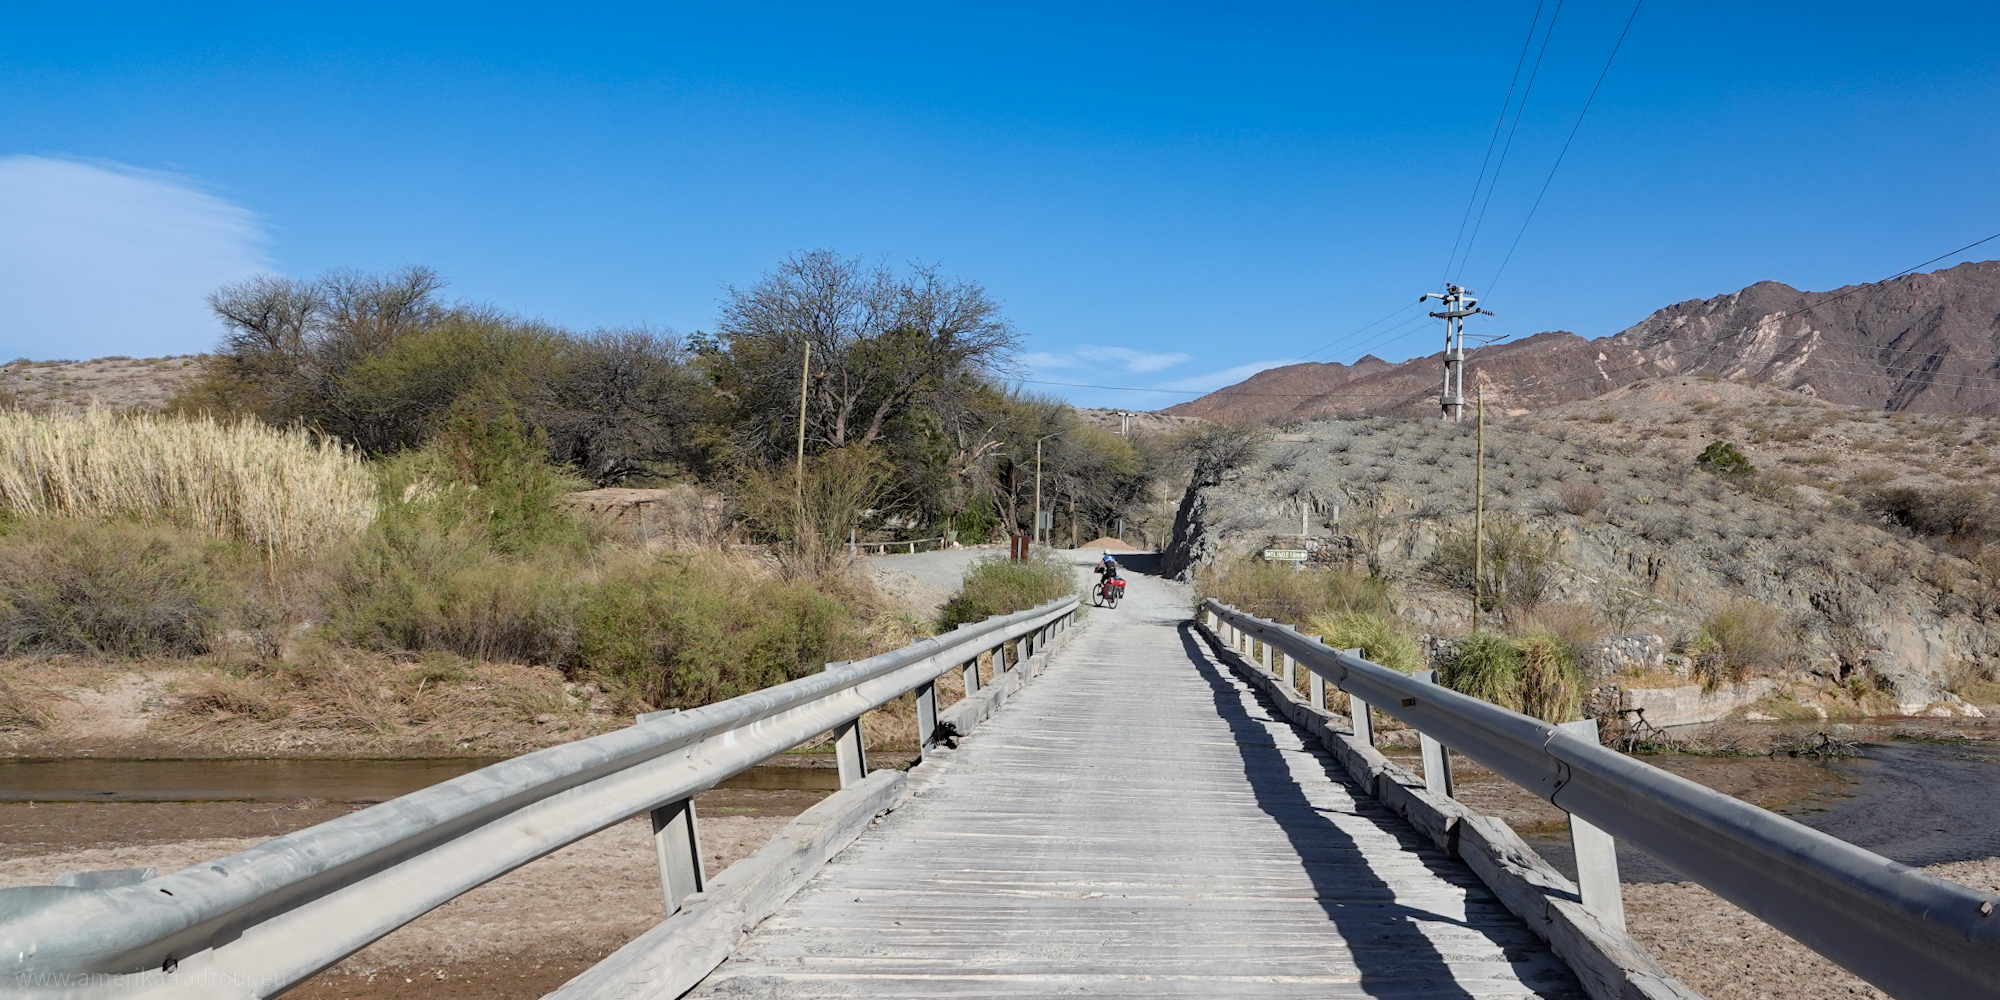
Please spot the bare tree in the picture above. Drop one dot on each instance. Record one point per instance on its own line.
(881, 344)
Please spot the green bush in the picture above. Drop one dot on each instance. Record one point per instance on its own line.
(1551, 677)
(1488, 666)
(1740, 638)
(1722, 458)
(1377, 637)
(1001, 587)
(489, 472)
(686, 631)
(1281, 593)
(1514, 564)
(124, 589)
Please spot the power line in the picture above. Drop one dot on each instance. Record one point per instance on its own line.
(1359, 330)
(1565, 150)
(1784, 315)
(1519, 112)
(1713, 347)
(1473, 198)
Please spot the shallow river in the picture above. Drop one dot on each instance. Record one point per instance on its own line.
(1917, 802)
(87, 779)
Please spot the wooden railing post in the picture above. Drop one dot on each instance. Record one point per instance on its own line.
(1596, 853)
(1318, 683)
(926, 716)
(677, 844)
(849, 753)
(1437, 757)
(1357, 710)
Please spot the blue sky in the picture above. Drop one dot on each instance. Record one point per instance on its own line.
(1162, 195)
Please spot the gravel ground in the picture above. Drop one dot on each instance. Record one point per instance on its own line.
(1728, 954)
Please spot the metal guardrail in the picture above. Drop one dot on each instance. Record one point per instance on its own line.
(1915, 936)
(256, 923)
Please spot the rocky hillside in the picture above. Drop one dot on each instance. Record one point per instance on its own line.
(118, 383)
(1639, 538)
(1927, 343)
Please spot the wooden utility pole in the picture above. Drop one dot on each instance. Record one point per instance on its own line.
(805, 380)
(1479, 510)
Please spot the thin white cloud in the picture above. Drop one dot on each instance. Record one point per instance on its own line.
(1131, 360)
(1043, 360)
(1228, 376)
(99, 258)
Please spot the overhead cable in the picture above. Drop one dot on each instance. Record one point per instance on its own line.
(1565, 150)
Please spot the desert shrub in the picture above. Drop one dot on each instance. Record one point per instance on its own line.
(122, 589)
(1551, 677)
(1485, 665)
(284, 490)
(1378, 638)
(473, 551)
(1740, 638)
(1578, 627)
(18, 711)
(1281, 593)
(1002, 586)
(1959, 513)
(486, 472)
(689, 630)
(1514, 569)
(810, 524)
(222, 696)
(1723, 459)
(1580, 498)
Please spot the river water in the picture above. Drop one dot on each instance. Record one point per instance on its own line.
(86, 779)
(1920, 802)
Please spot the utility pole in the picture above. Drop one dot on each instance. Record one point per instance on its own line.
(1458, 304)
(805, 373)
(1479, 510)
(1038, 485)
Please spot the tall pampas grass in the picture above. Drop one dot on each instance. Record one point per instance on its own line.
(284, 490)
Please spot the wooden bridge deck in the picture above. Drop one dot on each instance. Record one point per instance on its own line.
(1137, 824)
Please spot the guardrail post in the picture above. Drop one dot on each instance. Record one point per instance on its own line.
(677, 844)
(1268, 666)
(849, 753)
(926, 716)
(1596, 853)
(970, 674)
(1357, 710)
(1291, 674)
(1318, 682)
(1437, 757)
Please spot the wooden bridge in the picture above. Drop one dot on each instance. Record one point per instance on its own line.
(1138, 824)
(1159, 813)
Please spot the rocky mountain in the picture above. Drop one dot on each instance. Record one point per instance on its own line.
(1927, 343)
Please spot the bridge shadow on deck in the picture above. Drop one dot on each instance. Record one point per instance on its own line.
(1394, 958)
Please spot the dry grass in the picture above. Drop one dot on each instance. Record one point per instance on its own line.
(280, 489)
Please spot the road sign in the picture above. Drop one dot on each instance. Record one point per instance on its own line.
(1284, 555)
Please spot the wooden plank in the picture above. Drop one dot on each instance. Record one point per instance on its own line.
(1138, 823)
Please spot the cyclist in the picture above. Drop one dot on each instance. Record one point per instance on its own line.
(1108, 569)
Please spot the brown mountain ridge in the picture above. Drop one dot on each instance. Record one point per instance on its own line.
(1927, 343)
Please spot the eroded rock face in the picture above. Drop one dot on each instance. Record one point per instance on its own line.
(677, 518)
(1616, 654)
(1669, 549)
